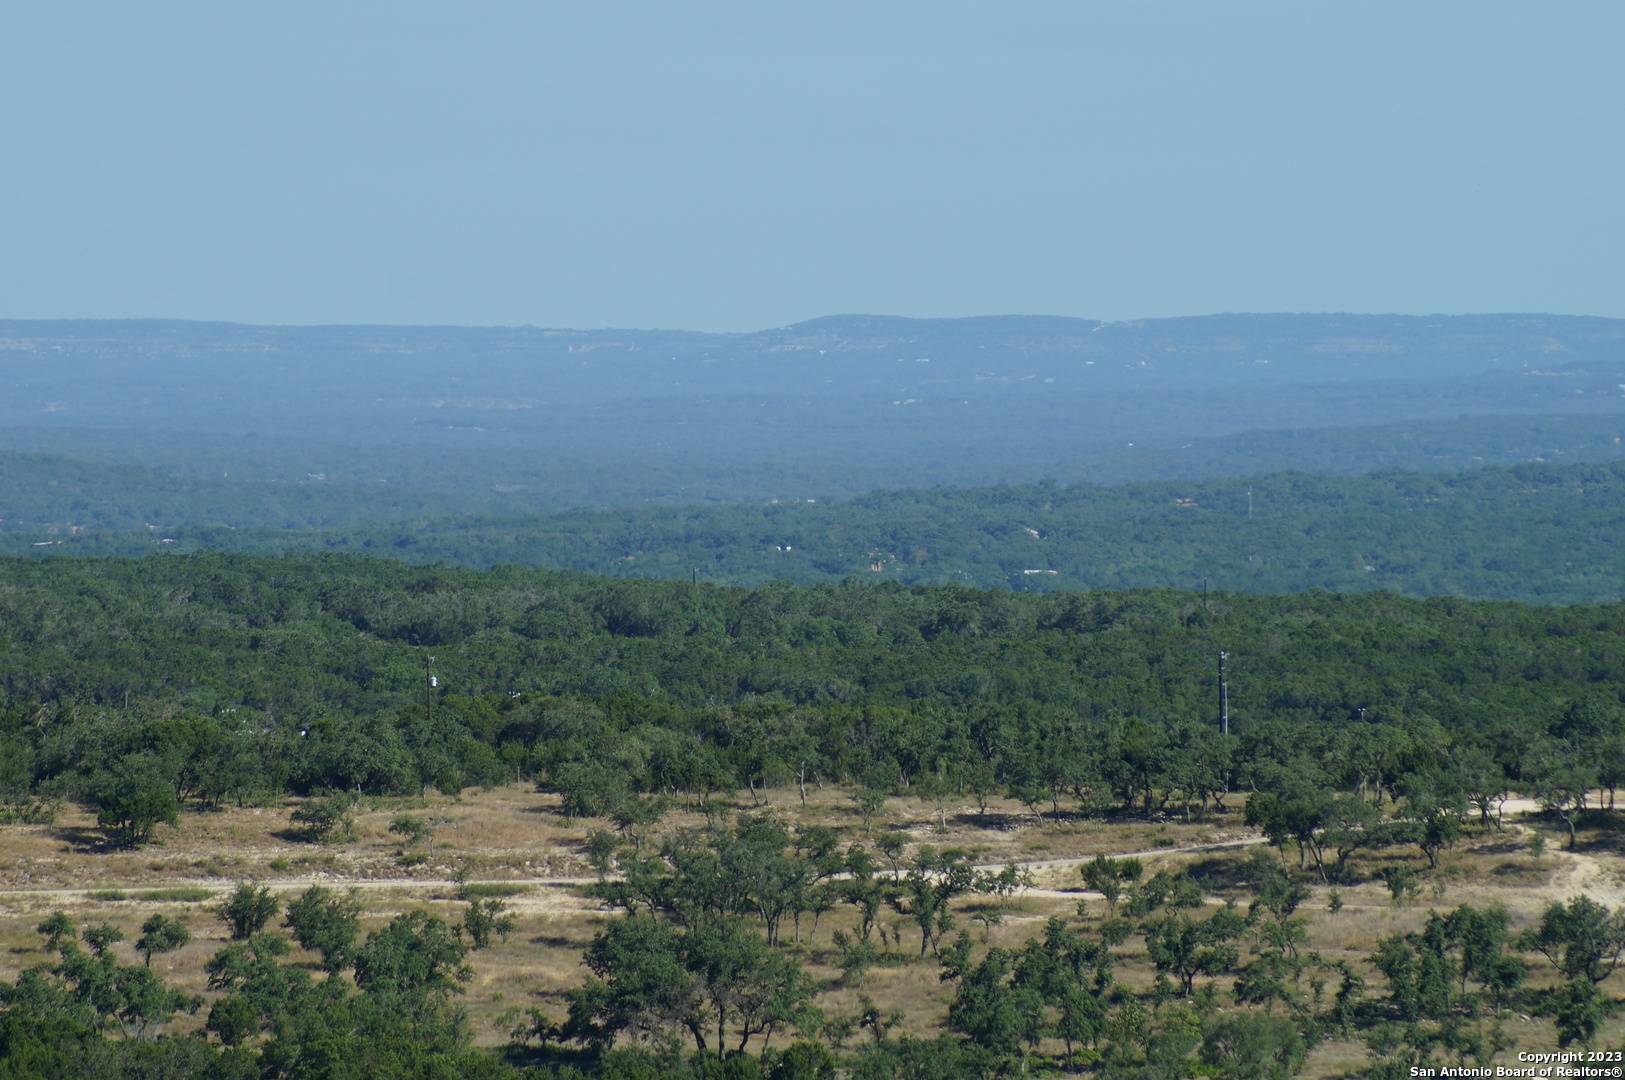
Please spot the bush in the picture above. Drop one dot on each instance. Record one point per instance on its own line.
(326, 923)
(471, 889)
(57, 928)
(329, 818)
(161, 934)
(800, 1061)
(179, 895)
(233, 1018)
(247, 910)
(1402, 883)
(588, 789)
(132, 801)
(483, 919)
(30, 812)
(1253, 1046)
(412, 829)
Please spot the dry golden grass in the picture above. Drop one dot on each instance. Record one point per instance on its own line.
(515, 834)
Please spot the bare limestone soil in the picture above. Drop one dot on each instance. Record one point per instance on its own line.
(513, 843)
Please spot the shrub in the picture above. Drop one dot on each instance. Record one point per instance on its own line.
(247, 910)
(132, 801)
(161, 934)
(326, 923)
(483, 919)
(331, 817)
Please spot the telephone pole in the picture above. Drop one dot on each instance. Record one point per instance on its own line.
(429, 683)
(1224, 696)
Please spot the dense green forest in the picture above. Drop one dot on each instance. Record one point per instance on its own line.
(236, 656)
(1534, 532)
(1361, 725)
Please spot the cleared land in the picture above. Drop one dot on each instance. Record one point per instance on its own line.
(514, 843)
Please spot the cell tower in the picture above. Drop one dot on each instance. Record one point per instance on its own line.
(1224, 696)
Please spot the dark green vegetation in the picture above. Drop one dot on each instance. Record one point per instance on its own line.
(1363, 725)
(91, 1015)
(218, 675)
(1544, 533)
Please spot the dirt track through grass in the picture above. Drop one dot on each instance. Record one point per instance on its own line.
(555, 894)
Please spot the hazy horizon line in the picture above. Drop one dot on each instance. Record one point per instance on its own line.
(832, 316)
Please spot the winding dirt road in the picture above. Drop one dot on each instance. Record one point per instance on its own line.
(1584, 874)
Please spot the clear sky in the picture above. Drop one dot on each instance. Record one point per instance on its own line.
(718, 166)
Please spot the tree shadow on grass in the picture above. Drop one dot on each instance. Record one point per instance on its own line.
(1506, 843)
(993, 820)
(1222, 875)
(83, 839)
(549, 1055)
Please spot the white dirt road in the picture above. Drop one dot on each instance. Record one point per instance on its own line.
(1582, 873)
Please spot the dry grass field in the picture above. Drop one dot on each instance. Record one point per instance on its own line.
(516, 837)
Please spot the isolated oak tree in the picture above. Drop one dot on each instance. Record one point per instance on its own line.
(133, 799)
(161, 934)
(248, 909)
(1581, 938)
(327, 923)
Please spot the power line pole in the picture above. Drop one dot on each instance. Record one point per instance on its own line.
(1224, 696)
(429, 683)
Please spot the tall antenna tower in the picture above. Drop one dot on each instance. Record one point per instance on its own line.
(1224, 696)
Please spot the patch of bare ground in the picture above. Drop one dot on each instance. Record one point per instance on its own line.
(515, 836)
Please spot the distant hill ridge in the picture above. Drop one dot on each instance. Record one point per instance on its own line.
(834, 329)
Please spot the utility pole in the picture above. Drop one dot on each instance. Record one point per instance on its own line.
(694, 575)
(1224, 697)
(429, 683)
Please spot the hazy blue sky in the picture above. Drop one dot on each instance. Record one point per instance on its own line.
(741, 165)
